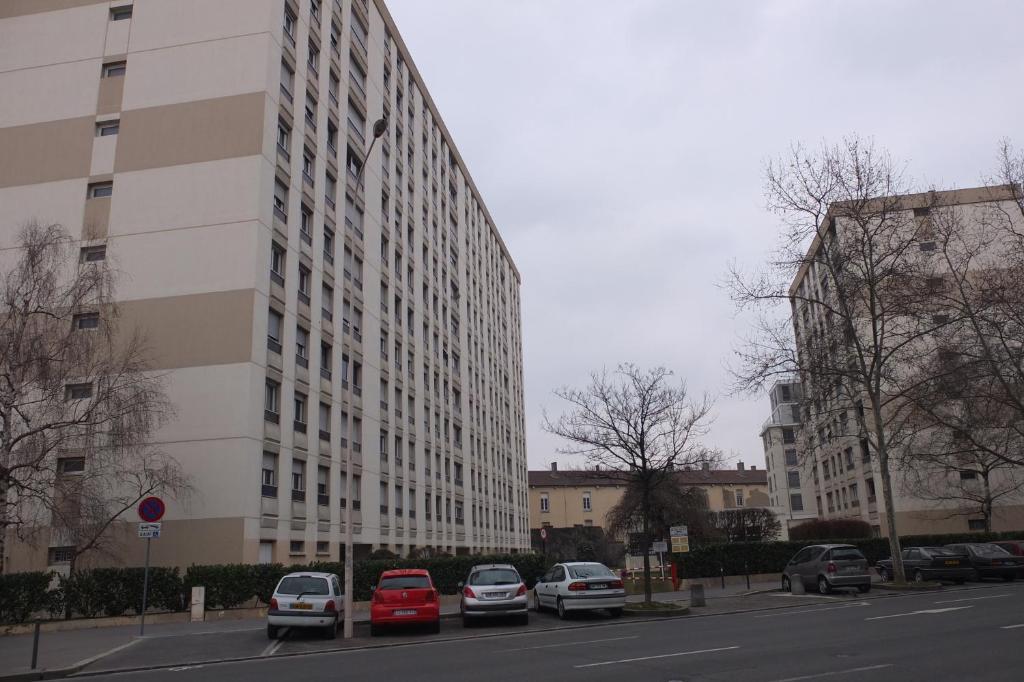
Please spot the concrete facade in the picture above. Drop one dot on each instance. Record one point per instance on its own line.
(299, 317)
(789, 483)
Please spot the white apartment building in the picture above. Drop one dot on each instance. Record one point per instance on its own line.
(789, 483)
(303, 308)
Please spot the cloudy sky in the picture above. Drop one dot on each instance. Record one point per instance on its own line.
(620, 147)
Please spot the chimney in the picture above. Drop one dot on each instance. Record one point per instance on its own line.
(705, 466)
(753, 467)
(554, 466)
(739, 466)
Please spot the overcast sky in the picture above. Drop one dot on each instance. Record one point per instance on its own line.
(620, 145)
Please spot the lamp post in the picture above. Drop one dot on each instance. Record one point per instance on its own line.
(379, 128)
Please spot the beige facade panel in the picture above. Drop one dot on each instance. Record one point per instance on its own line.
(110, 95)
(193, 132)
(50, 202)
(40, 39)
(48, 93)
(194, 331)
(199, 71)
(17, 8)
(46, 152)
(96, 220)
(158, 24)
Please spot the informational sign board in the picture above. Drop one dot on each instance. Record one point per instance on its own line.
(152, 509)
(149, 530)
(680, 539)
(659, 546)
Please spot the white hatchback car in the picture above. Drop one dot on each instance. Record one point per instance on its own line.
(580, 586)
(303, 600)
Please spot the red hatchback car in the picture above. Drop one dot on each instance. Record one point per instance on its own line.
(405, 596)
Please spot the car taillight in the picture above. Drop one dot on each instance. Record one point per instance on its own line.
(832, 568)
(521, 591)
(467, 591)
(329, 607)
(273, 604)
(431, 596)
(378, 598)
(615, 584)
(576, 587)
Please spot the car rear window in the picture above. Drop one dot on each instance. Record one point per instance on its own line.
(495, 576)
(590, 571)
(303, 585)
(846, 554)
(404, 582)
(989, 550)
(940, 551)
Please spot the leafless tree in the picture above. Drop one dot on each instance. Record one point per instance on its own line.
(670, 504)
(850, 277)
(750, 524)
(78, 406)
(639, 424)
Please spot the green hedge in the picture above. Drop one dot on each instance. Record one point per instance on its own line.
(22, 594)
(116, 591)
(709, 561)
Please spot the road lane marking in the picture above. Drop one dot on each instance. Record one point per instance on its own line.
(927, 611)
(276, 644)
(953, 601)
(649, 658)
(813, 610)
(833, 673)
(1012, 627)
(549, 646)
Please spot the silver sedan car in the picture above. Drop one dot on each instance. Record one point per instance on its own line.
(580, 586)
(493, 590)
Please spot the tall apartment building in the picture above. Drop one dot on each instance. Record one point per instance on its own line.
(843, 468)
(303, 307)
(789, 485)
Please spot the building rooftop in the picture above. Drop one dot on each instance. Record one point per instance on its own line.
(551, 479)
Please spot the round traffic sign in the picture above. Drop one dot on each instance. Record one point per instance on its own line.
(151, 509)
(543, 534)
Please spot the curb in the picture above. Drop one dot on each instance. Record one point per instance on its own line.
(657, 613)
(67, 671)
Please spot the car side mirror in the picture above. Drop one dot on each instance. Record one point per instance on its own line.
(461, 585)
(373, 588)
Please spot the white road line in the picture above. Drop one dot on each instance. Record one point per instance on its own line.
(648, 658)
(825, 608)
(1012, 627)
(833, 673)
(953, 601)
(926, 611)
(549, 646)
(275, 645)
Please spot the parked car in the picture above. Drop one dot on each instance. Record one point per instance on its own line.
(1014, 547)
(930, 563)
(826, 567)
(305, 600)
(989, 561)
(493, 590)
(405, 596)
(580, 586)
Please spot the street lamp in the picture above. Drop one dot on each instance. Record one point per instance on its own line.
(379, 128)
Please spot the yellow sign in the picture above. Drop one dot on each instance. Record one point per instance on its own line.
(680, 539)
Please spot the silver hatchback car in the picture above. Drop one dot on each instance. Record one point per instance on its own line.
(825, 567)
(493, 590)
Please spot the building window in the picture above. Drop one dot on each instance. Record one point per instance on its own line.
(277, 261)
(297, 547)
(791, 460)
(298, 480)
(70, 465)
(86, 321)
(325, 422)
(314, 59)
(308, 167)
(274, 324)
(968, 475)
(976, 524)
(272, 401)
(92, 254)
(586, 501)
(327, 302)
(739, 498)
(306, 224)
(114, 69)
(796, 502)
(281, 201)
(788, 436)
(793, 479)
(322, 491)
(544, 503)
(287, 80)
(78, 391)
(300, 412)
(311, 112)
(107, 128)
(328, 245)
(269, 484)
(61, 555)
(98, 190)
(289, 25)
(284, 139)
(301, 347)
(121, 13)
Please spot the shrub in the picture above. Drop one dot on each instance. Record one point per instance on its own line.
(116, 591)
(22, 594)
(227, 585)
(817, 529)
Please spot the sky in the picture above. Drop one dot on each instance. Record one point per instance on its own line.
(620, 148)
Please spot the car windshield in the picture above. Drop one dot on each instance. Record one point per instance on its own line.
(846, 554)
(590, 571)
(989, 550)
(495, 576)
(303, 584)
(404, 582)
(939, 551)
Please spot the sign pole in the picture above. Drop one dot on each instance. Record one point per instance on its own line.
(145, 590)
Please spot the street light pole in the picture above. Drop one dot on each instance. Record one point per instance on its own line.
(379, 128)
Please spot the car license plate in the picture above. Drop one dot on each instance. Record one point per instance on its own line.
(953, 563)
(404, 612)
(302, 606)
(598, 586)
(495, 595)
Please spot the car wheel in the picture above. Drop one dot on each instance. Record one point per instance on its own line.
(884, 575)
(616, 613)
(823, 586)
(863, 589)
(331, 631)
(918, 576)
(435, 627)
(536, 602)
(787, 586)
(561, 609)
(271, 632)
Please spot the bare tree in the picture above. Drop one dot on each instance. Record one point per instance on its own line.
(850, 276)
(78, 406)
(750, 524)
(670, 504)
(640, 424)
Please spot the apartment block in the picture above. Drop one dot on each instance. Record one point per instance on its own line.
(789, 485)
(312, 297)
(839, 460)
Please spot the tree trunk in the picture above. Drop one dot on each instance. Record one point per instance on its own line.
(899, 575)
(986, 505)
(646, 515)
(3, 523)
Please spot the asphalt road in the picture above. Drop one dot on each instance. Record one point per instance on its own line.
(973, 634)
